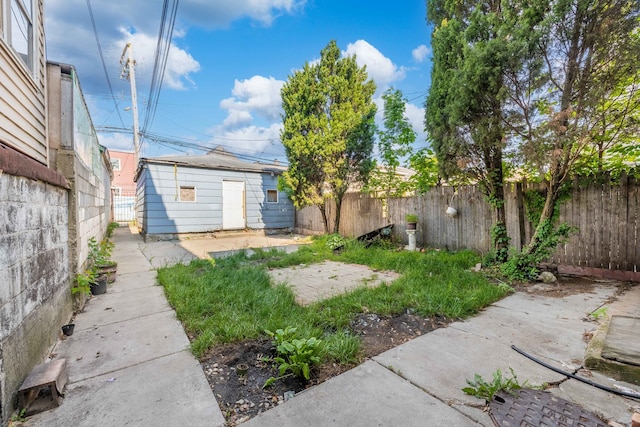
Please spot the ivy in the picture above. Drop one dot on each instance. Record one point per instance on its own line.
(534, 200)
(500, 241)
(523, 266)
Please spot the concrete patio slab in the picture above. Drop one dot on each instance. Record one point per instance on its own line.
(315, 282)
(113, 346)
(368, 395)
(124, 305)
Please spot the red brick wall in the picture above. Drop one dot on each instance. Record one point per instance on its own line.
(123, 178)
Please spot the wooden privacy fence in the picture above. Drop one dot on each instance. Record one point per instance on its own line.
(606, 216)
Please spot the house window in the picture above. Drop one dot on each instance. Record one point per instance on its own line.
(117, 191)
(272, 196)
(115, 164)
(187, 193)
(21, 30)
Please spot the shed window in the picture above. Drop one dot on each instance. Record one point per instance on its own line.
(21, 32)
(187, 193)
(272, 196)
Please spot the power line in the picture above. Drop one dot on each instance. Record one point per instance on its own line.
(160, 62)
(173, 142)
(104, 66)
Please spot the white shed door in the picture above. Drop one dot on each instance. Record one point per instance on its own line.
(233, 214)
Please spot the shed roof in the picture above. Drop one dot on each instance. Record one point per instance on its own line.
(217, 159)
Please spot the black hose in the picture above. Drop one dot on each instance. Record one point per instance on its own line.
(575, 377)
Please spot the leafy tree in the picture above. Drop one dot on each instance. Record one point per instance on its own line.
(395, 142)
(615, 146)
(591, 57)
(476, 44)
(328, 131)
(425, 164)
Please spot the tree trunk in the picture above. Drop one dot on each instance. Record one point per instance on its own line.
(500, 236)
(494, 189)
(553, 190)
(564, 140)
(336, 224)
(325, 220)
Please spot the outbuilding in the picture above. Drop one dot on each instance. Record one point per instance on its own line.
(216, 191)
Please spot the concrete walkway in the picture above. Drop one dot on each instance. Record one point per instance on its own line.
(129, 361)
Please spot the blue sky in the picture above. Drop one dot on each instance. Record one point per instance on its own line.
(228, 61)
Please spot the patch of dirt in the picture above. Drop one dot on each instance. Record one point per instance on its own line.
(570, 285)
(565, 286)
(241, 396)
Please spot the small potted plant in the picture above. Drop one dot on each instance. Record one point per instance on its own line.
(88, 282)
(100, 258)
(412, 220)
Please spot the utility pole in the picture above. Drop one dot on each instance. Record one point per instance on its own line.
(128, 72)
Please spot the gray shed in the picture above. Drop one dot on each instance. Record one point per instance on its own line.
(211, 192)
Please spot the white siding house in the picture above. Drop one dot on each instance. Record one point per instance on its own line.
(211, 192)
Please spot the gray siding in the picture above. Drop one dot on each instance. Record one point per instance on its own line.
(165, 213)
(22, 94)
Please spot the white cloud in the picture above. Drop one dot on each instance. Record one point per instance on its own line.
(420, 53)
(256, 141)
(258, 96)
(415, 115)
(116, 141)
(237, 119)
(71, 40)
(380, 68)
(220, 13)
(180, 64)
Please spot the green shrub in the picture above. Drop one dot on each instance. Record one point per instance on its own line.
(335, 241)
(297, 355)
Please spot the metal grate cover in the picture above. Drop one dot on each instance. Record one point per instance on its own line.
(535, 408)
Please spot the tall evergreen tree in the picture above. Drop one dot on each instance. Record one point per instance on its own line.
(476, 44)
(328, 131)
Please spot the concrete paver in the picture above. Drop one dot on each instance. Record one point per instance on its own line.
(319, 281)
(368, 395)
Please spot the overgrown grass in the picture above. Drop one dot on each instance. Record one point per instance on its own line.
(232, 299)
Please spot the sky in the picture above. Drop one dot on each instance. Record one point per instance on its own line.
(227, 63)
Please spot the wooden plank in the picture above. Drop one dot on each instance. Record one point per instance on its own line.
(633, 225)
(50, 377)
(592, 218)
(623, 223)
(605, 227)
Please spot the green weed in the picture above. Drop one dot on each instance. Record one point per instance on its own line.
(297, 355)
(486, 390)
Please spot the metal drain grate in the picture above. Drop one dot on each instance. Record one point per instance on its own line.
(535, 408)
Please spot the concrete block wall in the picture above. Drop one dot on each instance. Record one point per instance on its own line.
(93, 208)
(35, 300)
